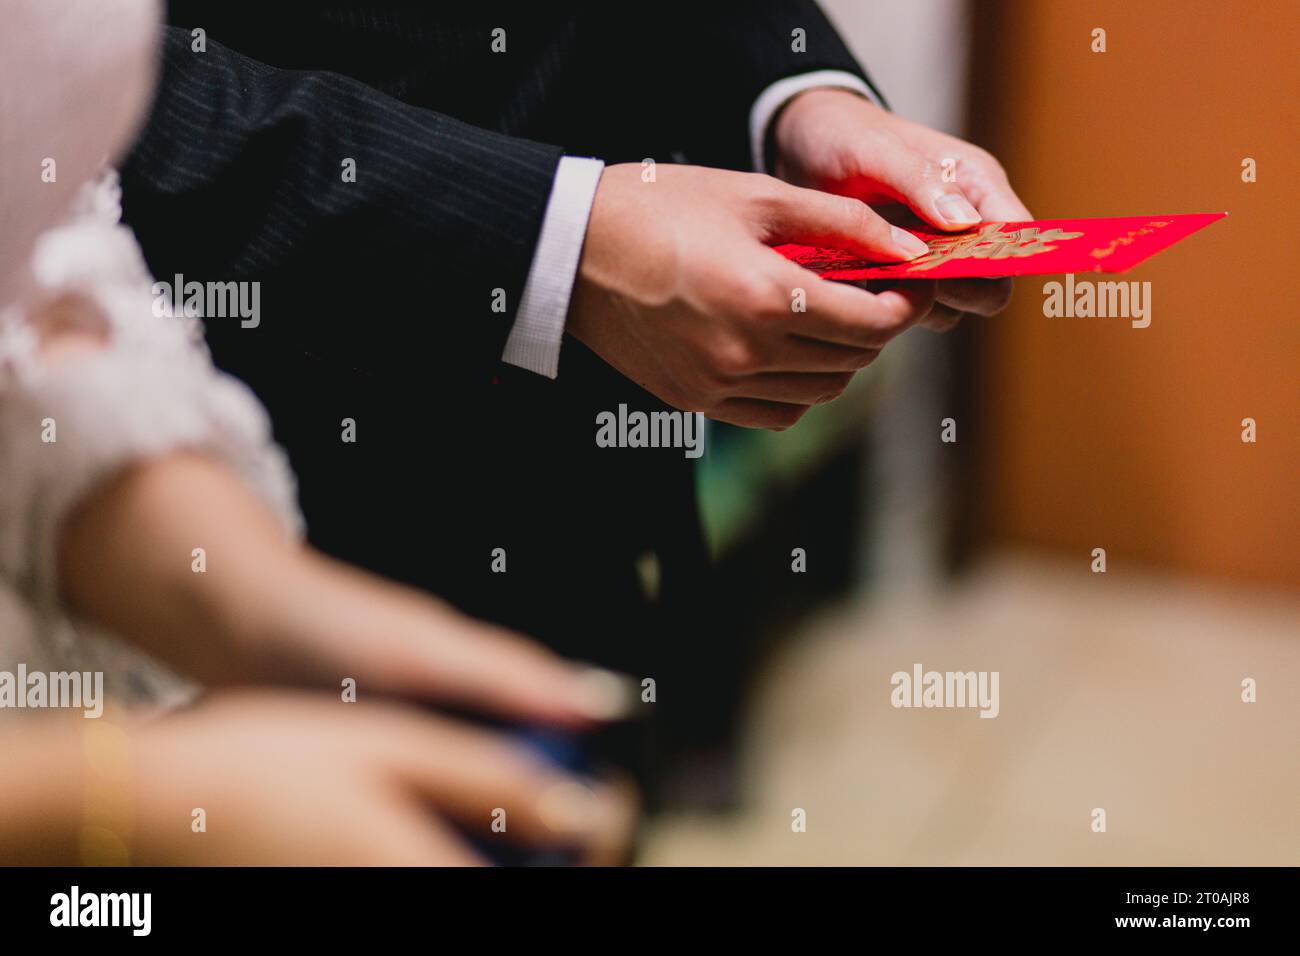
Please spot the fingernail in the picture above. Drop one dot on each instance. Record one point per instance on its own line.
(907, 244)
(603, 695)
(571, 809)
(954, 208)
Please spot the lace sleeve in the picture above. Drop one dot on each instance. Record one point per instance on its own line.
(151, 389)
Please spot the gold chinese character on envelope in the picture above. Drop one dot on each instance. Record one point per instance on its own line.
(990, 243)
(1037, 247)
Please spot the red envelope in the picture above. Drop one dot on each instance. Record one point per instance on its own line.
(1040, 247)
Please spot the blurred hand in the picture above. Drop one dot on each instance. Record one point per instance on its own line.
(269, 611)
(678, 290)
(292, 779)
(837, 141)
(326, 621)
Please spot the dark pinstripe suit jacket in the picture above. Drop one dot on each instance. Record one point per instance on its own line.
(376, 295)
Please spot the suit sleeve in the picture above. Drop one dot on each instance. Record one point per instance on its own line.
(735, 49)
(346, 205)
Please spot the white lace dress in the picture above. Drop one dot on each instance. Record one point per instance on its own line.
(151, 390)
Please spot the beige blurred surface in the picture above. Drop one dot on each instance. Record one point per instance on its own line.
(1119, 690)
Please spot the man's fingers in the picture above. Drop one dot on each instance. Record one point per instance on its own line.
(928, 188)
(847, 315)
(792, 214)
(980, 296)
(757, 413)
(942, 318)
(810, 355)
(798, 388)
(997, 201)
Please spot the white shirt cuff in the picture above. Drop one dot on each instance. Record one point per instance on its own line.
(534, 340)
(771, 100)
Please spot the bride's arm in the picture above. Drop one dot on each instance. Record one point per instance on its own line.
(268, 610)
(153, 454)
(126, 560)
(286, 778)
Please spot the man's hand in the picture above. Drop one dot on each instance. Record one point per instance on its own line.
(678, 290)
(837, 141)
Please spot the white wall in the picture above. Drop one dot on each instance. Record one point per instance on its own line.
(915, 50)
